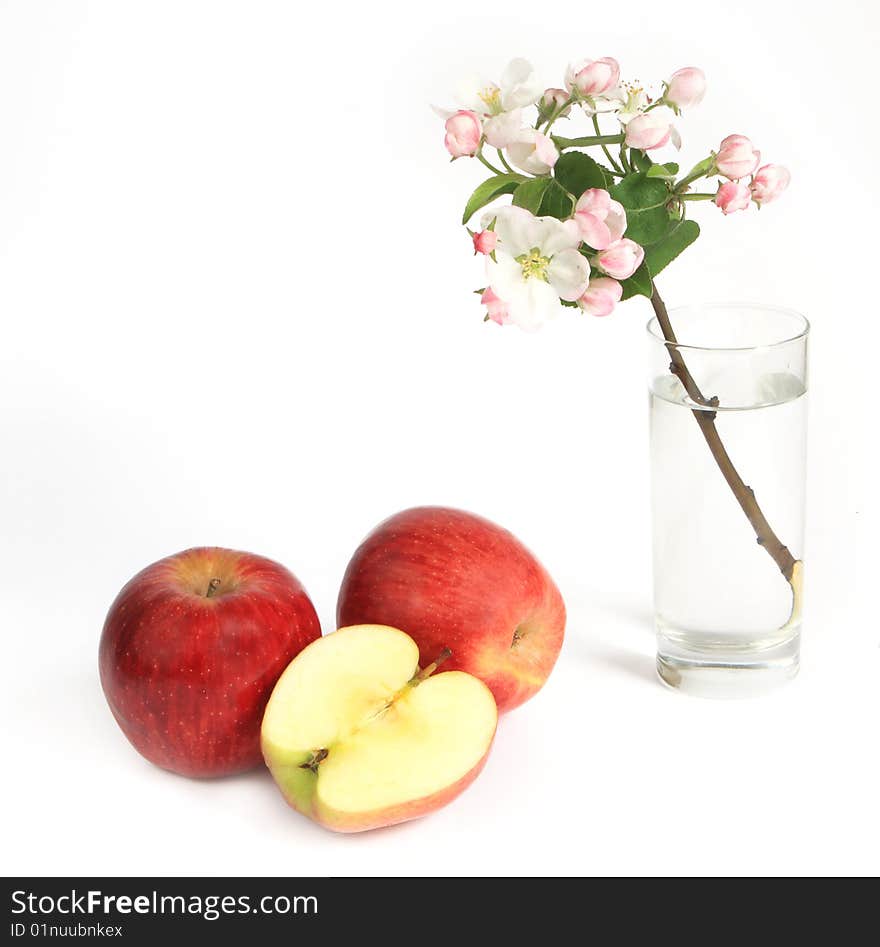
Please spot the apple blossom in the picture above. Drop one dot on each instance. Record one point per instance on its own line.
(592, 76)
(536, 263)
(621, 259)
(737, 157)
(519, 85)
(607, 188)
(500, 105)
(518, 88)
(496, 308)
(733, 196)
(601, 296)
(463, 133)
(484, 241)
(769, 182)
(503, 129)
(633, 101)
(648, 131)
(601, 220)
(533, 152)
(686, 88)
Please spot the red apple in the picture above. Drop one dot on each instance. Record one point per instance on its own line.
(191, 650)
(450, 579)
(357, 737)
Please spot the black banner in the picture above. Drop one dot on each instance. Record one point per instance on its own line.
(138, 911)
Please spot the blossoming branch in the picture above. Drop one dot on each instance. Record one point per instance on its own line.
(587, 230)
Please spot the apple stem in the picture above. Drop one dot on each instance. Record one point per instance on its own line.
(213, 585)
(425, 673)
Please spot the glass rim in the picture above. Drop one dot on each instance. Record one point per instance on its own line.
(767, 307)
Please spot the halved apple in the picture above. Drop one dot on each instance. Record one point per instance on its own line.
(357, 737)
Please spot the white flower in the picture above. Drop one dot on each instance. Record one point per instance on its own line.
(503, 129)
(633, 101)
(532, 152)
(519, 88)
(536, 263)
(500, 105)
(519, 85)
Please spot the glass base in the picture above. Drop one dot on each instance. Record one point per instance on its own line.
(726, 665)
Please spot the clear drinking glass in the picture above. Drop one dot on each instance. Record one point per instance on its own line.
(728, 451)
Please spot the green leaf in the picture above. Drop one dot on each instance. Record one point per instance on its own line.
(646, 225)
(557, 202)
(639, 192)
(578, 172)
(663, 170)
(530, 193)
(661, 254)
(490, 189)
(544, 197)
(640, 160)
(645, 200)
(639, 284)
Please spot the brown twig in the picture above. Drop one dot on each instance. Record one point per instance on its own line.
(744, 494)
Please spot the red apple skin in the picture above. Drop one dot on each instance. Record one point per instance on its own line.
(188, 676)
(451, 579)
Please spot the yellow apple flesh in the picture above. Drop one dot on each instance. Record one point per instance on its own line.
(357, 738)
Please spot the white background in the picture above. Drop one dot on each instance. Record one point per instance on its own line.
(236, 309)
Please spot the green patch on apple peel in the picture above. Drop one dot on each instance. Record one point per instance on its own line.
(297, 783)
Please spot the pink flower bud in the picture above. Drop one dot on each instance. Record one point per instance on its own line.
(647, 131)
(600, 219)
(496, 308)
(733, 196)
(601, 296)
(463, 133)
(593, 77)
(485, 241)
(736, 157)
(686, 87)
(769, 182)
(552, 100)
(621, 259)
